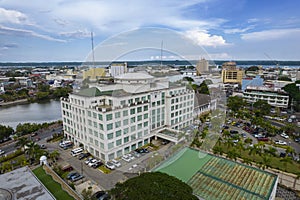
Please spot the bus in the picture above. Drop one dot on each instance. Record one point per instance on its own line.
(76, 151)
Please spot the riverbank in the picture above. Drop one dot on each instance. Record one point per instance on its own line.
(13, 103)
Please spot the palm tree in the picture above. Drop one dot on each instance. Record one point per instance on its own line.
(265, 162)
(22, 142)
(32, 149)
(232, 154)
(54, 155)
(247, 161)
(272, 151)
(285, 161)
(218, 150)
(240, 146)
(248, 141)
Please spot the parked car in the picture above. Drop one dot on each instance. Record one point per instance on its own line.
(116, 163)
(131, 156)
(265, 139)
(284, 135)
(136, 154)
(67, 168)
(100, 195)
(43, 146)
(71, 174)
(87, 161)
(2, 152)
(297, 140)
(83, 155)
(93, 161)
(97, 164)
(126, 158)
(76, 177)
(142, 150)
(280, 142)
(110, 165)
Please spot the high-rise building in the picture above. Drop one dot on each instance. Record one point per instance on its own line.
(230, 74)
(202, 66)
(112, 120)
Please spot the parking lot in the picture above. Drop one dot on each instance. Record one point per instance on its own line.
(107, 181)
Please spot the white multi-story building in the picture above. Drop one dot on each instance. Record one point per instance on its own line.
(112, 120)
(274, 97)
(117, 69)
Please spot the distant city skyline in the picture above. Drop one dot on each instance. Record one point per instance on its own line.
(60, 30)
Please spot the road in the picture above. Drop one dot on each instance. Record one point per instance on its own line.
(42, 135)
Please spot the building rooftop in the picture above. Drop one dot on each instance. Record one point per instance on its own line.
(134, 76)
(89, 92)
(22, 184)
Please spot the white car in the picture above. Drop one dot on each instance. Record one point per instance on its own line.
(280, 142)
(131, 156)
(92, 162)
(2, 152)
(87, 161)
(126, 158)
(284, 135)
(116, 163)
(110, 165)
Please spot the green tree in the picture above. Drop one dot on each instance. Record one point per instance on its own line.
(152, 185)
(87, 194)
(261, 107)
(5, 131)
(286, 160)
(235, 103)
(284, 78)
(22, 142)
(294, 93)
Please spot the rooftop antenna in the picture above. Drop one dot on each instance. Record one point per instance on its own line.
(92, 38)
(161, 52)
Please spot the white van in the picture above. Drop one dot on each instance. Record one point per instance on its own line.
(76, 151)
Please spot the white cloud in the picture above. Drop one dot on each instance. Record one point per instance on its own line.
(203, 38)
(12, 16)
(25, 33)
(271, 34)
(77, 34)
(238, 30)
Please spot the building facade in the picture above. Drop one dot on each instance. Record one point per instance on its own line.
(94, 73)
(202, 66)
(276, 98)
(230, 74)
(112, 120)
(117, 69)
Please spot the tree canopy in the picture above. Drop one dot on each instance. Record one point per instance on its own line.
(235, 103)
(261, 107)
(294, 93)
(152, 185)
(5, 131)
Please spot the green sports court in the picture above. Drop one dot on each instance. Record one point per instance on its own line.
(213, 177)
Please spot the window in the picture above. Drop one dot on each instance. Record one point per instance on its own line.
(117, 115)
(146, 116)
(110, 145)
(101, 126)
(125, 131)
(140, 126)
(139, 109)
(119, 142)
(118, 124)
(132, 111)
(123, 102)
(133, 137)
(94, 115)
(145, 108)
(126, 139)
(101, 136)
(109, 127)
(132, 120)
(110, 136)
(108, 117)
(140, 117)
(132, 129)
(145, 124)
(125, 113)
(125, 122)
(89, 113)
(118, 133)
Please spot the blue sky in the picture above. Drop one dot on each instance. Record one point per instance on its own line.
(59, 30)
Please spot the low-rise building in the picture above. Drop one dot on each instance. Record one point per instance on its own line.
(274, 97)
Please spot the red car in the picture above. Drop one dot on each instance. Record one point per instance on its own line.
(265, 139)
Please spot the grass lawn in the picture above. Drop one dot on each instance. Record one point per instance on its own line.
(275, 162)
(104, 169)
(51, 185)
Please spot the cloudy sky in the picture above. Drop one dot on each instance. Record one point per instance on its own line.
(60, 30)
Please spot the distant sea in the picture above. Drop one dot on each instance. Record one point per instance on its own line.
(243, 63)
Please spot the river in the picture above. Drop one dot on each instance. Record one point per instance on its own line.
(30, 113)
